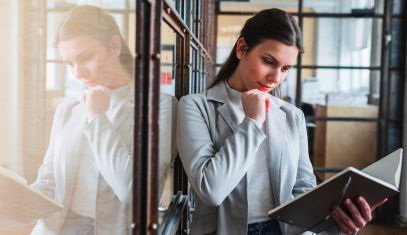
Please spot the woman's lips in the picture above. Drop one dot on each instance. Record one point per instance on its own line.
(90, 83)
(264, 88)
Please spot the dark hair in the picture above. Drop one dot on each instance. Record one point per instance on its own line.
(95, 22)
(267, 24)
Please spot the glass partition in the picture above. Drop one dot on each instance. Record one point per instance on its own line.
(67, 127)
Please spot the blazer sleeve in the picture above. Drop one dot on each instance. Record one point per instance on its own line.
(113, 158)
(45, 182)
(212, 174)
(305, 174)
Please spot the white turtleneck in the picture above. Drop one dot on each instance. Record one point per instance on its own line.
(260, 195)
(83, 200)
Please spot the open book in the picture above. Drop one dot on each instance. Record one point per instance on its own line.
(20, 204)
(375, 183)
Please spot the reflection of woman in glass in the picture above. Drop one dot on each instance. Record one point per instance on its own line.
(89, 166)
(245, 151)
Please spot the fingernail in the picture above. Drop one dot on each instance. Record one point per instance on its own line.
(347, 201)
(360, 198)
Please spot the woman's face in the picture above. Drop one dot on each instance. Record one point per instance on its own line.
(266, 65)
(89, 61)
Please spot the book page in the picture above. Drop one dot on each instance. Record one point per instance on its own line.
(387, 169)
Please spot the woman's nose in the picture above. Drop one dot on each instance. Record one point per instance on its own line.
(79, 71)
(275, 76)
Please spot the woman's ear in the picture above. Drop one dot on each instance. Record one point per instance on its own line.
(116, 45)
(240, 48)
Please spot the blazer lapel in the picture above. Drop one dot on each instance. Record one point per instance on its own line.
(122, 111)
(228, 114)
(219, 93)
(275, 131)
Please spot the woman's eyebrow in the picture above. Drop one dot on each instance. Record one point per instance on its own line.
(83, 52)
(275, 60)
(272, 57)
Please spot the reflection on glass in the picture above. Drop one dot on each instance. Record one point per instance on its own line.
(72, 136)
(105, 4)
(167, 78)
(167, 115)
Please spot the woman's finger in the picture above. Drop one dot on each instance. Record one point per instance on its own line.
(357, 218)
(365, 209)
(346, 219)
(84, 96)
(341, 224)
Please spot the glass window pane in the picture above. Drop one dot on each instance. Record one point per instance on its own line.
(342, 87)
(73, 149)
(53, 21)
(228, 27)
(167, 116)
(289, 86)
(192, 71)
(342, 42)
(344, 6)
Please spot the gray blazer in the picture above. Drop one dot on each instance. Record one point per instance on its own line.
(216, 151)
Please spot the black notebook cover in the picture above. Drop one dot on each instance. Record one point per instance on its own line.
(315, 205)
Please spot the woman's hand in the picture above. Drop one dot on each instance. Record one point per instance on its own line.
(97, 100)
(359, 218)
(255, 104)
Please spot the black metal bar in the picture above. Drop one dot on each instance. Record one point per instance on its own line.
(140, 132)
(340, 67)
(299, 59)
(337, 67)
(148, 46)
(384, 83)
(341, 119)
(307, 15)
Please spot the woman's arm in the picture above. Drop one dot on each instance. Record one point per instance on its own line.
(112, 156)
(212, 174)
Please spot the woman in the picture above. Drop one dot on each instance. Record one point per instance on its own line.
(244, 150)
(89, 166)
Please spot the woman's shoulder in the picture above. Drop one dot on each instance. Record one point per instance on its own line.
(290, 109)
(68, 104)
(198, 99)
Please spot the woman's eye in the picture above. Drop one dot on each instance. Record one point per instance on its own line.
(88, 57)
(268, 62)
(286, 69)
